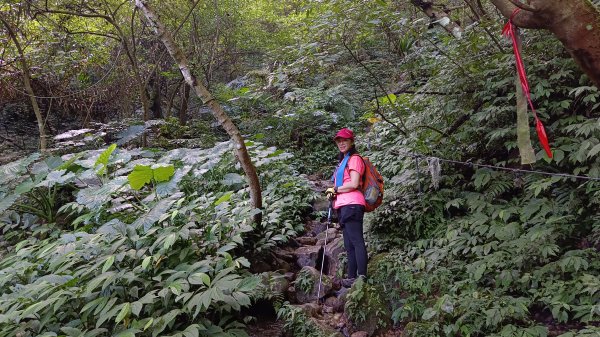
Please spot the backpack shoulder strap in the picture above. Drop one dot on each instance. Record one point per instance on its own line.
(364, 175)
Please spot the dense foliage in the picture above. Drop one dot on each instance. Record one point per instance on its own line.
(132, 241)
(137, 241)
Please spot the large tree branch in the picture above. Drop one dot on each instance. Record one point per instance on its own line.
(523, 19)
(440, 17)
(524, 6)
(107, 35)
(85, 15)
(573, 22)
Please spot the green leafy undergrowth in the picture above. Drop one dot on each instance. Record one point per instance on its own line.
(297, 323)
(505, 263)
(152, 249)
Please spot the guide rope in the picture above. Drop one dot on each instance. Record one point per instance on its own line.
(471, 164)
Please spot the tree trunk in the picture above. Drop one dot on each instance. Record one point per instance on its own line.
(184, 105)
(172, 97)
(576, 23)
(26, 75)
(156, 95)
(206, 97)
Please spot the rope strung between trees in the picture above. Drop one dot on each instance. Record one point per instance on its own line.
(562, 175)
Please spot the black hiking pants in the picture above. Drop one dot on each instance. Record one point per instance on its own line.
(351, 220)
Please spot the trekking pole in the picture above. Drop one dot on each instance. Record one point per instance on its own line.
(324, 246)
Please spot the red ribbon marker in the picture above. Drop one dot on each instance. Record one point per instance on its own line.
(510, 31)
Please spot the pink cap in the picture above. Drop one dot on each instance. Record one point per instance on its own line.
(344, 133)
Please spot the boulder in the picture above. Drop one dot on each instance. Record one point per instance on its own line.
(318, 227)
(284, 254)
(332, 253)
(274, 282)
(307, 256)
(311, 309)
(306, 240)
(307, 285)
(290, 294)
(360, 334)
(340, 300)
(282, 265)
(331, 234)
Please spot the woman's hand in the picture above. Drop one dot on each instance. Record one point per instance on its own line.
(330, 193)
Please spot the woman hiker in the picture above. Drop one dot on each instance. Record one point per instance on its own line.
(349, 203)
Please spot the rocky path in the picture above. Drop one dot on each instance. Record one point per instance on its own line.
(321, 244)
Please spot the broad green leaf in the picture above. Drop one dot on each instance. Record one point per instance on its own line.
(93, 304)
(387, 99)
(170, 240)
(169, 187)
(57, 177)
(25, 186)
(67, 164)
(232, 179)
(127, 333)
(8, 201)
(163, 321)
(192, 331)
(141, 175)
(594, 151)
(428, 314)
(125, 311)
(148, 219)
(146, 262)
(242, 298)
(95, 197)
(199, 278)
(149, 324)
(71, 331)
(224, 198)
(108, 263)
(104, 157)
(478, 273)
(163, 173)
(10, 170)
(107, 313)
(136, 308)
(34, 308)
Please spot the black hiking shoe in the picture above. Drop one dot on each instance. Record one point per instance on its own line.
(347, 282)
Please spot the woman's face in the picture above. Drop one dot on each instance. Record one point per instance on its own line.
(344, 144)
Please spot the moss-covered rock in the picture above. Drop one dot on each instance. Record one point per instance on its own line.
(307, 285)
(367, 307)
(375, 262)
